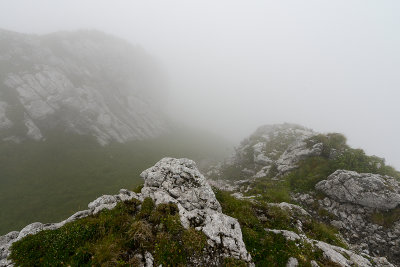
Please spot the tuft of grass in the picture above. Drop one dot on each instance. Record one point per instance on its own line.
(323, 232)
(271, 190)
(386, 218)
(269, 249)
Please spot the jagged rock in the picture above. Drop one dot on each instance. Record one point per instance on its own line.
(272, 148)
(355, 225)
(338, 255)
(295, 153)
(179, 181)
(365, 189)
(83, 82)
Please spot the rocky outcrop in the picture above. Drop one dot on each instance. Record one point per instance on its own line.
(273, 150)
(179, 181)
(295, 153)
(171, 180)
(335, 254)
(103, 202)
(83, 82)
(364, 189)
(355, 225)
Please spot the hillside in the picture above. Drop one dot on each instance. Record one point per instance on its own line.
(81, 114)
(288, 196)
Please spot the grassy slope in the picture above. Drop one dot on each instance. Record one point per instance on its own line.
(111, 238)
(49, 181)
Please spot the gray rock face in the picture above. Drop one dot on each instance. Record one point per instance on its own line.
(179, 181)
(355, 225)
(338, 255)
(365, 189)
(295, 153)
(82, 82)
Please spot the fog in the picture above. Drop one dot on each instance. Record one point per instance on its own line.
(235, 65)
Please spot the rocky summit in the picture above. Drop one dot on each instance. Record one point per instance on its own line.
(319, 182)
(83, 82)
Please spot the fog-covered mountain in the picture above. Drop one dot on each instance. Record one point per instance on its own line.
(288, 196)
(83, 82)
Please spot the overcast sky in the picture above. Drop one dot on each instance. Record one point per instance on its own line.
(235, 65)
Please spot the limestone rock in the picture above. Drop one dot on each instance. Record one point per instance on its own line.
(83, 82)
(179, 181)
(365, 189)
(338, 255)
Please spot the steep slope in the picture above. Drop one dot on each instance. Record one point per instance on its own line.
(83, 82)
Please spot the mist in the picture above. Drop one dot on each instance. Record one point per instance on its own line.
(232, 66)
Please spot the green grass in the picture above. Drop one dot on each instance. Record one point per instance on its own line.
(269, 249)
(49, 181)
(386, 218)
(113, 237)
(274, 191)
(314, 169)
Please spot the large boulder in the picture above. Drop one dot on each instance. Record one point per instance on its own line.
(179, 181)
(365, 189)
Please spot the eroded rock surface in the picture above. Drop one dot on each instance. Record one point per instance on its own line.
(272, 150)
(335, 254)
(179, 181)
(355, 225)
(83, 82)
(365, 189)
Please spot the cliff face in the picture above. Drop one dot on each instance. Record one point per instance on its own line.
(83, 82)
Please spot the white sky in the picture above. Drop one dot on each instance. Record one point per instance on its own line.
(235, 65)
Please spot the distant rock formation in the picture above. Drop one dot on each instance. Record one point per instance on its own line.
(272, 150)
(83, 82)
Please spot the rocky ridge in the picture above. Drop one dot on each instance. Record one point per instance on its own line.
(170, 181)
(84, 82)
(352, 200)
(363, 206)
(272, 150)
